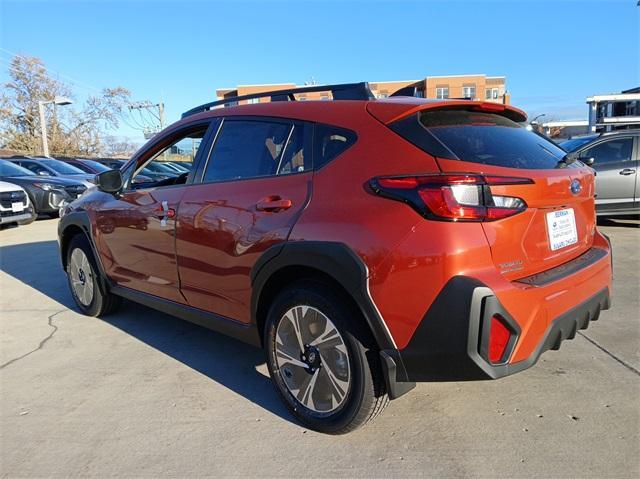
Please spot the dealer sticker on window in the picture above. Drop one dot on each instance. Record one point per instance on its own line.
(561, 227)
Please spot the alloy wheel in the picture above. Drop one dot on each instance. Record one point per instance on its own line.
(81, 277)
(312, 359)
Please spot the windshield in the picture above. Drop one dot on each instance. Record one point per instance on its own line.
(62, 167)
(99, 167)
(575, 143)
(9, 169)
(158, 168)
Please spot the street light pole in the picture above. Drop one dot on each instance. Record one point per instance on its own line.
(43, 128)
(58, 100)
(536, 117)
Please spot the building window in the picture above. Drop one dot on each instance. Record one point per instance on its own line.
(442, 92)
(383, 94)
(324, 97)
(469, 91)
(302, 98)
(492, 94)
(253, 100)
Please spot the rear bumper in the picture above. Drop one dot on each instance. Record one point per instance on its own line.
(448, 343)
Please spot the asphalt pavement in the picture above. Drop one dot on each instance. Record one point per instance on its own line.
(142, 394)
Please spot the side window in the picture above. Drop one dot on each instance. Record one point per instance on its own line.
(36, 168)
(82, 167)
(159, 171)
(297, 154)
(247, 149)
(618, 149)
(330, 141)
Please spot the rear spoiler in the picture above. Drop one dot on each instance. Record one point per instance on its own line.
(415, 104)
(397, 108)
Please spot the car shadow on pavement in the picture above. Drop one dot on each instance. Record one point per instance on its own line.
(38, 265)
(226, 361)
(620, 221)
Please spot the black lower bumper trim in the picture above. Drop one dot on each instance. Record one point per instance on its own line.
(445, 347)
(554, 274)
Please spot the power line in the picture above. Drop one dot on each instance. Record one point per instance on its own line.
(150, 107)
(73, 80)
(124, 120)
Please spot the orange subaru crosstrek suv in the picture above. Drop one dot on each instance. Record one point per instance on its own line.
(366, 244)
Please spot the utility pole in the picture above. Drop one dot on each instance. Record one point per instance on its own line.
(161, 115)
(43, 130)
(151, 108)
(58, 100)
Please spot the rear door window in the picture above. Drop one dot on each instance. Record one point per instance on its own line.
(296, 157)
(251, 148)
(478, 137)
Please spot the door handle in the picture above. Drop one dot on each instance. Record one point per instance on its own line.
(165, 213)
(273, 203)
(627, 171)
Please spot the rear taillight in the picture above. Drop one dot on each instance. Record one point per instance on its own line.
(459, 197)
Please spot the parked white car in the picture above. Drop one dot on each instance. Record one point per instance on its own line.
(15, 206)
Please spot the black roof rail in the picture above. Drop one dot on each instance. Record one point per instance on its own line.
(343, 91)
(410, 90)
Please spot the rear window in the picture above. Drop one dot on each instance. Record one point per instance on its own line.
(99, 167)
(62, 167)
(478, 137)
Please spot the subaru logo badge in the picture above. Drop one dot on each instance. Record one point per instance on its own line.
(14, 195)
(576, 187)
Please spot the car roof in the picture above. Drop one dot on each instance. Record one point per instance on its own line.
(631, 131)
(343, 112)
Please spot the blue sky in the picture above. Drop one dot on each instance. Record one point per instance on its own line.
(554, 53)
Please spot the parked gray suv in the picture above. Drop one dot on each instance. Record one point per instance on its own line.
(615, 159)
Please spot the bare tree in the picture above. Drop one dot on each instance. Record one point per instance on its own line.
(71, 131)
(118, 148)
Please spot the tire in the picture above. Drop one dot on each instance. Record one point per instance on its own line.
(84, 281)
(348, 390)
(30, 220)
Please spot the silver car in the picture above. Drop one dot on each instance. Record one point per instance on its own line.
(615, 157)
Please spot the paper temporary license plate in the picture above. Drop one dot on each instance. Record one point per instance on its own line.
(17, 207)
(561, 227)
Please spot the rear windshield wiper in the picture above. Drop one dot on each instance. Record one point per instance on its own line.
(565, 161)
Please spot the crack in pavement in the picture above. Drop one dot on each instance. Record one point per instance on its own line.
(42, 343)
(605, 350)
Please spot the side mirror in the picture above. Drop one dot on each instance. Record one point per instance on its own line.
(588, 160)
(110, 181)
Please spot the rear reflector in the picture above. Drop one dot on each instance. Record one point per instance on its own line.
(499, 336)
(459, 197)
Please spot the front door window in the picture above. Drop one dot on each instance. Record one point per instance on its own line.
(166, 167)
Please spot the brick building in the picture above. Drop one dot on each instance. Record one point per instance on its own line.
(478, 87)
